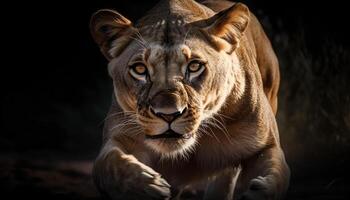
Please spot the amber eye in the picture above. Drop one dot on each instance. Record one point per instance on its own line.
(195, 68)
(138, 71)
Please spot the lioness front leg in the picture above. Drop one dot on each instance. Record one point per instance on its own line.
(121, 176)
(265, 176)
(222, 186)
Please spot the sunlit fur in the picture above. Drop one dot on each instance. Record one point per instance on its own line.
(230, 106)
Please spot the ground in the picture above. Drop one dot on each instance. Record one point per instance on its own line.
(33, 178)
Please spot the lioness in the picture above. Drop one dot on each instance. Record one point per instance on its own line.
(195, 98)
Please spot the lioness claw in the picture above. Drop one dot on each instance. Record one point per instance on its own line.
(158, 191)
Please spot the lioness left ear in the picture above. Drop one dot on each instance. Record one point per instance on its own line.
(227, 27)
(107, 26)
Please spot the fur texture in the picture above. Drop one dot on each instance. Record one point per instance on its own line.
(226, 132)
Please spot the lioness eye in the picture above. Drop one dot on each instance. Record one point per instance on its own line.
(195, 68)
(139, 71)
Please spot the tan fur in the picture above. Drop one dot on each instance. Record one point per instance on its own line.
(230, 107)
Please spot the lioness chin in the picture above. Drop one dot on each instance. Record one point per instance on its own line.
(195, 98)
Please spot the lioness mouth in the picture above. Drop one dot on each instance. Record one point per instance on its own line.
(169, 134)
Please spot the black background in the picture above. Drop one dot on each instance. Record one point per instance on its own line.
(56, 90)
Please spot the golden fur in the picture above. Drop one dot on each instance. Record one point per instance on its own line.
(229, 136)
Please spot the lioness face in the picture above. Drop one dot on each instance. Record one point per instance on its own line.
(172, 76)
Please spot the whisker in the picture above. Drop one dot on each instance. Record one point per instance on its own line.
(127, 113)
(138, 34)
(134, 131)
(225, 116)
(186, 34)
(138, 41)
(207, 126)
(127, 130)
(218, 124)
(124, 123)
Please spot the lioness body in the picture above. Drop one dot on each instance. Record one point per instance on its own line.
(243, 146)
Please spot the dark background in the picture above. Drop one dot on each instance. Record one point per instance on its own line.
(56, 92)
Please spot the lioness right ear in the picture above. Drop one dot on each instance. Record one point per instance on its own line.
(107, 26)
(226, 28)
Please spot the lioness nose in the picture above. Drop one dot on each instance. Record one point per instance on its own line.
(167, 106)
(169, 117)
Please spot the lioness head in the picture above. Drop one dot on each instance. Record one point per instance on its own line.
(174, 69)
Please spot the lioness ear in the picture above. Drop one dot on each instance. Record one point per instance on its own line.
(109, 26)
(227, 27)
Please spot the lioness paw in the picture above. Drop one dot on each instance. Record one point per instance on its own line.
(258, 190)
(143, 182)
(155, 186)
